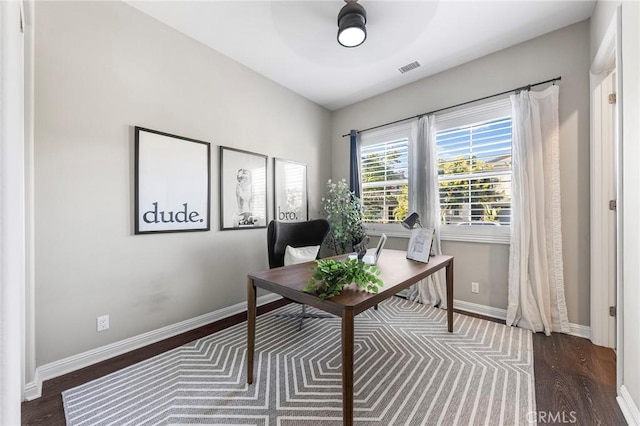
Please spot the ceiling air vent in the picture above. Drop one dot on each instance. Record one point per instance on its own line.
(409, 67)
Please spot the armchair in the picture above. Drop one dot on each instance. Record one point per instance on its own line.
(296, 235)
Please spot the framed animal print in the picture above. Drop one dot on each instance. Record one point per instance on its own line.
(243, 189)
(172, 183)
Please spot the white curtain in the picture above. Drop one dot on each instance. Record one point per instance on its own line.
(425, 200)
(536, 283)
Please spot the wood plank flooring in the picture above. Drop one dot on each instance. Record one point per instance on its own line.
(575, 380)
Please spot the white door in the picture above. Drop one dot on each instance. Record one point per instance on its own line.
(604, 185)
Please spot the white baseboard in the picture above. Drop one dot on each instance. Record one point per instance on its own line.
(628, 407)
(485, 310)
(33, 389)
(580, 330)
(501, 314)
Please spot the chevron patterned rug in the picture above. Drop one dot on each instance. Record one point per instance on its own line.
(408, 370)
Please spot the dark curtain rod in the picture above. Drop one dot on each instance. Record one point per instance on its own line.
(527, 87)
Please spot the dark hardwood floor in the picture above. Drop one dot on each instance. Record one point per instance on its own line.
(575, 380)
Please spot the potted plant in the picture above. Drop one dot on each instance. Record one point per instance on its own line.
(344, 213)
(331, 276)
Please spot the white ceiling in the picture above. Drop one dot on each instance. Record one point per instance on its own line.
(294, 42)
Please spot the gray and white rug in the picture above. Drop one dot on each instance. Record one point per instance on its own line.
(408, 370)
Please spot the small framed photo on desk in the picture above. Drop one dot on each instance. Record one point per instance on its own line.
(420, 244)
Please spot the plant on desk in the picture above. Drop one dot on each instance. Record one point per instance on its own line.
(331, 276)
(344, 213)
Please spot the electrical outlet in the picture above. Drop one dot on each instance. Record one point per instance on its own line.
(475, 287)
(102, 323)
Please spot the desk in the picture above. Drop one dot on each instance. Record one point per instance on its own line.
(397, 273)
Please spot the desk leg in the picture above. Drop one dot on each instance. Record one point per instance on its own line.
(251, 328)
(347, 368)
(449, 272)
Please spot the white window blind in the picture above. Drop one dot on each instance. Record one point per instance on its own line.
(474, 166)
(385, 171)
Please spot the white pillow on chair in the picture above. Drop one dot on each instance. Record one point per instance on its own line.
(294, 255)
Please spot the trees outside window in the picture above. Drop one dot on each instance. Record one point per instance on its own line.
(473, 148)
(384, 181)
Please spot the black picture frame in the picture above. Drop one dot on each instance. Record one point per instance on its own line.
(172, 183)
(243, 189)
(290, 191)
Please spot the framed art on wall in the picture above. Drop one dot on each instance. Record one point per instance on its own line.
(172, 183)
(420, 244)
(290, 191)
(243, 189)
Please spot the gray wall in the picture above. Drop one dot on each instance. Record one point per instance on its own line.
(101, 68)
(599, 22)
(492, 275)
(564, 52)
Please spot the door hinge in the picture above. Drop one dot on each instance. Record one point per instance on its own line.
(612, 98)
(612, 311)
(613, 205)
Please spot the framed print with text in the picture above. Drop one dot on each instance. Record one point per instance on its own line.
(243, 189)
(290, 202)
(172, 183)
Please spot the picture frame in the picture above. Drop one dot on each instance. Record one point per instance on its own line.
(290, 191)
(172, 183)
(243, 189)
(420, 244)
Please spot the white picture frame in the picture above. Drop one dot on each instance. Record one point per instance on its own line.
(290, 202)
(172, 183)
(420, 242)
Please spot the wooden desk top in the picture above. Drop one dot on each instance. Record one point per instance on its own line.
(397, 273)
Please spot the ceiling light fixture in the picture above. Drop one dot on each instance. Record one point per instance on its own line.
(351, 24)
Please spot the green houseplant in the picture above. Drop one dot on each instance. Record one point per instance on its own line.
(344, 213)
(331, 276)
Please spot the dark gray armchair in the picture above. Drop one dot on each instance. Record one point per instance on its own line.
(295, 234)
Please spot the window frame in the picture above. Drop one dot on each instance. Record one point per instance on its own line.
(460, 117)
(466, 117)
(387, 134)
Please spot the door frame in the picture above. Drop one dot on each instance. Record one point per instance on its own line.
(12, 210)
(607, 59)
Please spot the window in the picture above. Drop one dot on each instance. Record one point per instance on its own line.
(384, 157)
(474, 168)
(474, 172)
